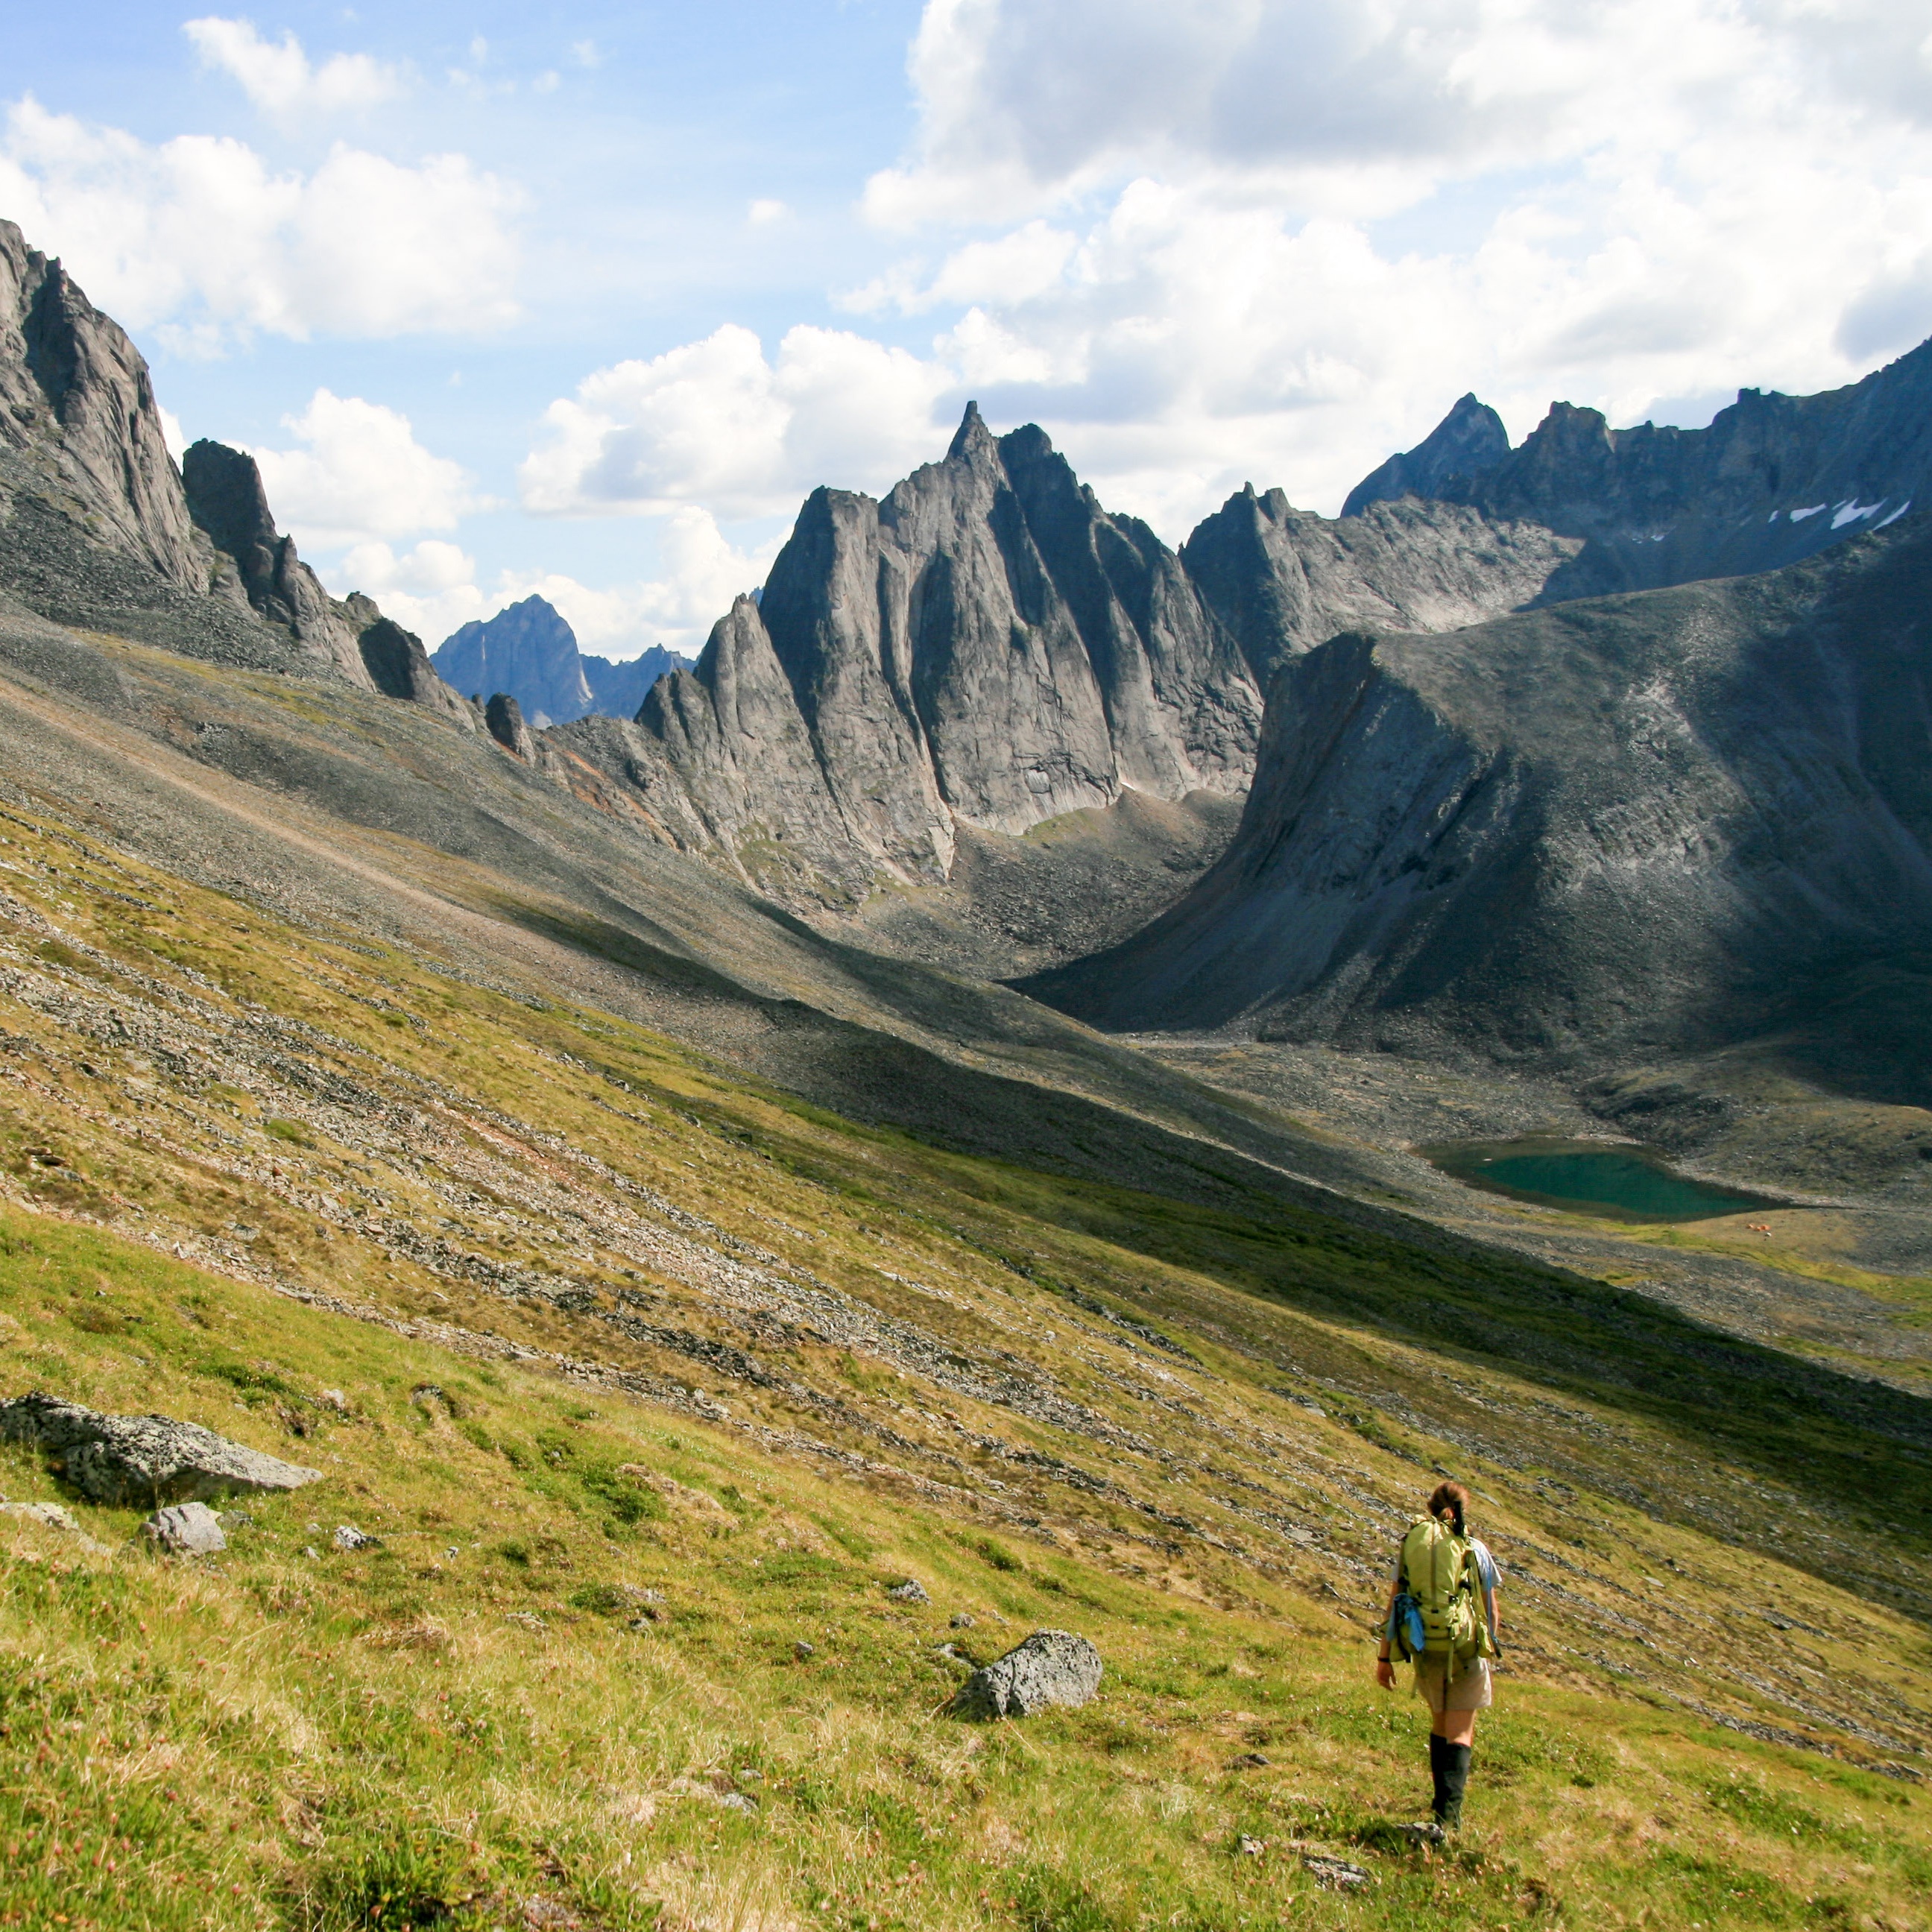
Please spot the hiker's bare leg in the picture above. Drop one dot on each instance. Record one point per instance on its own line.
(1458, 1727)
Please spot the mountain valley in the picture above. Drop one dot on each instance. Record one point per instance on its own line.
(934, 1091)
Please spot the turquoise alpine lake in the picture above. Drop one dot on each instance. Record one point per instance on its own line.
(1627, 1184)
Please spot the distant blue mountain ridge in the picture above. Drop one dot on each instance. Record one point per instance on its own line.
(529, 651)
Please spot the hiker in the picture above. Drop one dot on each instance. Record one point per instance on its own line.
(1433, 1618)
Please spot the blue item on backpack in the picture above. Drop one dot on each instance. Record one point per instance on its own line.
(1406, 1632)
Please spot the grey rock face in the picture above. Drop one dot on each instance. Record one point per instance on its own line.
(1469, 440)
(504, 718)
(96, 527)
(347, 1536)
(1773, 479)
(1610, 826)
(76, 399)
(186, 1529)
(137, 1459)
(528, 651)
(1283, 581)
(1051, 1666)
(912, 1590)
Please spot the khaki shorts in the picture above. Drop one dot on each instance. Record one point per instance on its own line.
(1471, 1691)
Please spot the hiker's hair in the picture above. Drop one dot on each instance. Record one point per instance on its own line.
(1453, 1498)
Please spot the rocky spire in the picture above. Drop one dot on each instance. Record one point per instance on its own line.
(1469, 440)
(76, 401)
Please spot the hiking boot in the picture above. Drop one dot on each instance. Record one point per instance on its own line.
(1455, 1782)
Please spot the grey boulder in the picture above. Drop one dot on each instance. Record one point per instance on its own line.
(1051, 1666)
(142, 1458)
(910, 1591)
(186, 1529)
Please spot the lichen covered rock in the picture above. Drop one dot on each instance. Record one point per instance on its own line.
(1051, 1666)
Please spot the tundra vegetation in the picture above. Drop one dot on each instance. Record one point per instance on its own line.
(645, 1381)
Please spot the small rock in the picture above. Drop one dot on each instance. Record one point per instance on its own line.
(961, 1621)
(310, 1551)
(52, 1514)
(1336, 1874)
(641, 1623)
(334, 1398)
(912, 1590)
(186, 1529)
(748, 1776)
(235, 1520)
(736, 1801)
(348, 1536)
(1427, 1833)
(1248, 1761)
(801, 1650)
(524, 1620)
(1250, 1848)
(1051, 1666)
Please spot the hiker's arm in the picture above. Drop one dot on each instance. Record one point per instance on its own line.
(1384, 1669)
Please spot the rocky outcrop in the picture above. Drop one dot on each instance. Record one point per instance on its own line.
(142, 1458)
(528, 651)
(226, 498)
(395, 663)
(99, 530)
(1051, 1667)
(1282, 580)
(76, 403)
(1637, 823)
(1773, 479)
(503, 718)
(1470, 440)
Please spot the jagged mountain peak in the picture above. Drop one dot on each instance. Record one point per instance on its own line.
(986, 646)
(528, 651)
(972, 437)
(1469, 439)
(1771, 479)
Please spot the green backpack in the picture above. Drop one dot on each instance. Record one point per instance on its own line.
(1439, 1572)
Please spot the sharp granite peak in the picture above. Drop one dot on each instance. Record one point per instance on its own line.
(528, 653)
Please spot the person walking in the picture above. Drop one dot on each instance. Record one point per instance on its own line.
(1441, 1615)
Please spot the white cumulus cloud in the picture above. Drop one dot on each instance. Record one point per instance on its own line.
(358, 474)
(198, 238)
(278, 76)
(716, 423)
(1204, 241)
(433, 589)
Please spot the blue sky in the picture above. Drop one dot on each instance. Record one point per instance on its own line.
(584, 298)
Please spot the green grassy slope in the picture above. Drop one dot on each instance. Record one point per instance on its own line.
(606, 1317)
